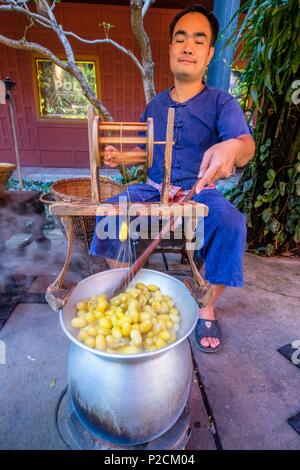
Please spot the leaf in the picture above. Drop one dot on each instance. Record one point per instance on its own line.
(247, 185)
(270, 195)
(263, 157)
(268, 184)
(270, 50)
(271, 174)
(238, 200)
(282, 186)
(274, 226)
(296, 237)
(269, 249)
(255, 98)
(291, 174)
(268, 81)
(258, 203)
(268, 142)
(262, 148)
(267, 215)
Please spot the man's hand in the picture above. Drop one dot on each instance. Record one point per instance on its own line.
(219, 160)
(111, 156)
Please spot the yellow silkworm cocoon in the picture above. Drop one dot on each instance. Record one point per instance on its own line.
(123, 232)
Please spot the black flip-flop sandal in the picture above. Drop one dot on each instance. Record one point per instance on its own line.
(208, 328)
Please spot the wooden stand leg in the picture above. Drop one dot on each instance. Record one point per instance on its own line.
(199, 288)
(168, 157)
(94, 153)
(191, 227)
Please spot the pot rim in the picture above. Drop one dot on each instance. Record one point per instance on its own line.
(132, 357)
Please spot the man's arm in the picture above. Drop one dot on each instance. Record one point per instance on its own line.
(219, 160)
(246, 151)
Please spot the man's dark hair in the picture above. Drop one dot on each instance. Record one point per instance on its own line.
(214, 24)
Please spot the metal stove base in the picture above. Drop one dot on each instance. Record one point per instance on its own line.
(77, 437)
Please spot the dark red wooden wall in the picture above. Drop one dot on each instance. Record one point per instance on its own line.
(48, 143)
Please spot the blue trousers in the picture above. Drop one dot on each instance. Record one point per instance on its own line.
(224, 234)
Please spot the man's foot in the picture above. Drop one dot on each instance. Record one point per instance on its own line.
(208, 335)
(208, 331)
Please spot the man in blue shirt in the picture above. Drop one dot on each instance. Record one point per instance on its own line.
(211, 137)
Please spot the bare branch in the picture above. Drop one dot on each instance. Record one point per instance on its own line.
(27, 28)
(113, 43)
(42, 23)
(15, 2)
(67, 66)
(58, 30)
(26, 12)
(45, 17)
(139, 32)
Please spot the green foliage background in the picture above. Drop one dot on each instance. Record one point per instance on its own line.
(269, 191)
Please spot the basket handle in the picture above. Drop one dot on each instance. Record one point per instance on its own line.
(44, 199)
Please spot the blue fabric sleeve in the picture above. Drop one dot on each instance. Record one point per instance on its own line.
(231, 121)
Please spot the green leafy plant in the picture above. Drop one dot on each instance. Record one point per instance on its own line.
(269, 191)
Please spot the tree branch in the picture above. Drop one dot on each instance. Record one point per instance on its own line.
(114, 43)
(25, 11)
(141, 36)
(67, 66)
(59, 31)
(15, 2)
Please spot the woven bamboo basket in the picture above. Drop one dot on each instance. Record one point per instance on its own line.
(79, 190)
(6, 170)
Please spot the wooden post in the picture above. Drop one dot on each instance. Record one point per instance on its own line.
(14, 131)
(168, 156)
(94, 153)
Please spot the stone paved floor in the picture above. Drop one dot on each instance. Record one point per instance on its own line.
(249, 388)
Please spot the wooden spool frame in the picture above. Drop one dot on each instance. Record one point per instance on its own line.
(97, 140)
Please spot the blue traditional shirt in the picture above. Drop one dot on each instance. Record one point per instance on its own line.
(209, 117)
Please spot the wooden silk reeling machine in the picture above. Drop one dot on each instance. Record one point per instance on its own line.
(106, 133)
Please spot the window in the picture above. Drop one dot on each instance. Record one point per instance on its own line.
(60, 95)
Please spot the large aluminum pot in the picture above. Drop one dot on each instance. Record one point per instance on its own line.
(130, 399)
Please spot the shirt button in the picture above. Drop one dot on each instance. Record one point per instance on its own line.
(179, 146)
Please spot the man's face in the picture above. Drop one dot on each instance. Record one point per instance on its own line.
(190, 50)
